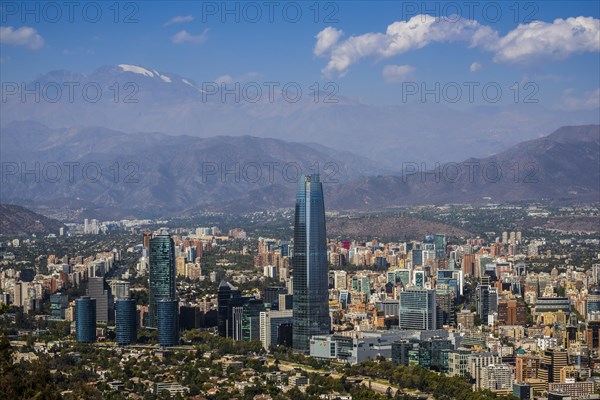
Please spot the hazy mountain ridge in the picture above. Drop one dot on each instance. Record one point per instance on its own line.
(541, 169)
(166, 102)
(17, 220)
(155, 174)
(561, 165)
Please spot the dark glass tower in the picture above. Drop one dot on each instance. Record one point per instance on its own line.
(98, 289)
(310, 270)
(85, 309)
(251, 319)
(168, 322)
(58, 304)
(162, 274)
(125, 321)
(227, 292)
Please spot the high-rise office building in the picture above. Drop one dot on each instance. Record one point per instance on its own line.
(311, 307)
(403, 277)
(340, 280)
(162, 274)
(191, 317)
(98, 289)
(270, 295)
(418, 309)
(553, 361)
(167, 321)
(497, 377)
(388, 307)
(596, 273)
(444, 297)
(85, 324)
(417, 256)
(479, 360)
(362, 283)
(487, 302)
(270, 321)
(251, 319)
(522, 390)
(440, 243)
(125, 321)
(592, 335)
(58, 305)
(21, 296)
(430, 353)
(345, 298)
(468, 264)
(120, 289)
(227, 292)
(593, 301)
(286, 302)
(242, 318)
(419, 278)
(146, 241)
(511, 312)
(526, 367)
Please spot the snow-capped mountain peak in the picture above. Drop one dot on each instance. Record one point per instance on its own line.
(145, 72)
(136, 70)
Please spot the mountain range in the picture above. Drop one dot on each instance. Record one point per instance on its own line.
(105, 173)
(132, 98)
(562, 166)
(17, 220)
(154, 173)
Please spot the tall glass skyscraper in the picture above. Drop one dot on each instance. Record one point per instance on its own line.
(125, 321)
(98, 289)
(85, 309)
(251, 319)
(162, 274)
(417, 309)
(310, 270)
(227, 292)
(58, 305)
(168, 322)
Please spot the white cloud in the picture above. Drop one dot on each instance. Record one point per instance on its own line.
(528, 42)
(326, 39)
(24, 36)
(400, 37)
(475, 67)
(180, 19)
(556, 41)
(184, 36)
(397, 73)
(589, 100)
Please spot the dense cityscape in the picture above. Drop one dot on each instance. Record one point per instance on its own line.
(183, 312)
(299, 200)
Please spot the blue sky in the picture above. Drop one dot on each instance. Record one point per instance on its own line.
(195, 40)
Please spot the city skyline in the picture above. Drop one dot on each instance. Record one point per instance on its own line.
(454, 307)
(325, 200)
